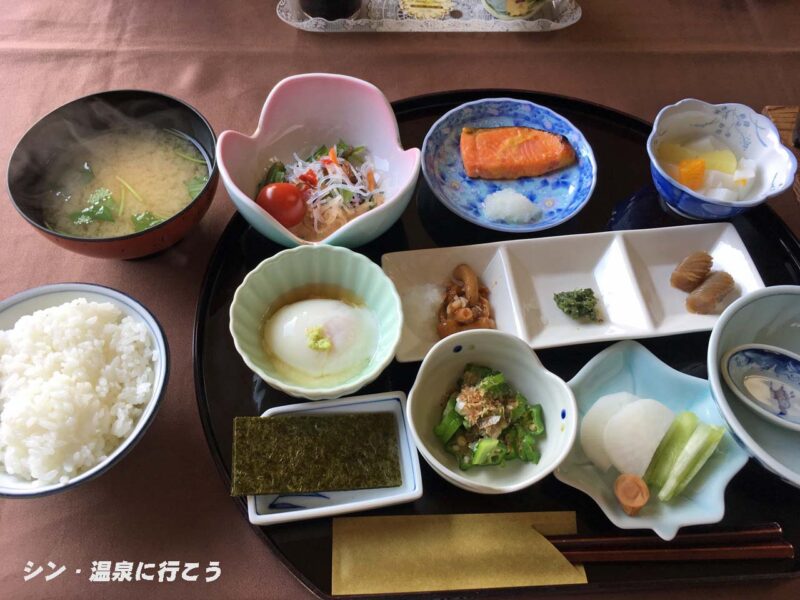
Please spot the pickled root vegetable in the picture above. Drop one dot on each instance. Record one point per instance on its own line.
(705, 299)
(632, 493)
(593, 427)
(632, 435)
(691, 271)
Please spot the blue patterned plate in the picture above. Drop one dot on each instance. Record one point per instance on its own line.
(560, 194)
(766, 379)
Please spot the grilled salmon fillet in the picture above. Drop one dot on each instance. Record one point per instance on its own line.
(513, 152)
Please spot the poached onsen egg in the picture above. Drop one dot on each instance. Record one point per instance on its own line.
(321, 342)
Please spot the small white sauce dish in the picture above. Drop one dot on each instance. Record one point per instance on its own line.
(506, 353)
(767, 380)
(284, 508)
(300, 113)
(748, 134)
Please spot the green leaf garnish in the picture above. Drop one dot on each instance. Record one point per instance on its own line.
(100, 207)
(346, 194)
(145, 220)
(190, 158)
(196, 184)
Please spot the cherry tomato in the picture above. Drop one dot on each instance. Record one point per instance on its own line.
(284, 202)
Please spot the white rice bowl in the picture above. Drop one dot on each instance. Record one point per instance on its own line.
(74, 381)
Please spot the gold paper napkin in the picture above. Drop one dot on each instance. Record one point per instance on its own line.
(424, 553)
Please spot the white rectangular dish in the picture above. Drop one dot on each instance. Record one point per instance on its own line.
(274, 508)
(629, 271)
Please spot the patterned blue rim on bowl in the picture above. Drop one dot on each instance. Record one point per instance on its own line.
(561, 194)
(749, 134)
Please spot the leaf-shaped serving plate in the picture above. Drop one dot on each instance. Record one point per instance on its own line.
(629, 367)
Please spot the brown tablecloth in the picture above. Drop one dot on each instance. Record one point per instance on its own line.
(165, 500)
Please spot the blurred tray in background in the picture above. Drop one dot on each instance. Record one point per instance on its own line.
(465, 15)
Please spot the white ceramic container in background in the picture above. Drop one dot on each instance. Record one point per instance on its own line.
(301, 113)
(47, 296)
(284, 508)
(438, 375)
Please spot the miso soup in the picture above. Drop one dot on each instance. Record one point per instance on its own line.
(123, 181)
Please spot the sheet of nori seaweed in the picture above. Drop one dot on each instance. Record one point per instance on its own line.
(314, 453)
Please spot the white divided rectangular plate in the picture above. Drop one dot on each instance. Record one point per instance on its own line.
(272, 509)
(628, 270)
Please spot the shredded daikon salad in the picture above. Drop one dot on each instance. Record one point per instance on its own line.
(339, 183)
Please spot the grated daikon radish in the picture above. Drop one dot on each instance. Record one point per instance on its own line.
(510, 206)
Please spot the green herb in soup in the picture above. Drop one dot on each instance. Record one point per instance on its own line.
(99, 207)
(145, 220)
(122, 182)
(195, 185)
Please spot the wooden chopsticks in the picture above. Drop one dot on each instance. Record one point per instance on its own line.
(763, 541)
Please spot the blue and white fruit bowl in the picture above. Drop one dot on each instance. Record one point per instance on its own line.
(748, 134)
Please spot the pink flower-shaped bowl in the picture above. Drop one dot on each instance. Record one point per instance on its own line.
(301, 113)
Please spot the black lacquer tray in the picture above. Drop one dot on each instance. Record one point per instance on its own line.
(623, 199)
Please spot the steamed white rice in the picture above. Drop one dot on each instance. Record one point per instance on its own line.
(74, 380)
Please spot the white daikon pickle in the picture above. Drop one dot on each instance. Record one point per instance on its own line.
(594, 423)
(632, 435)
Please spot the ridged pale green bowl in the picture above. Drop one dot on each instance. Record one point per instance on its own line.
(303, 266)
